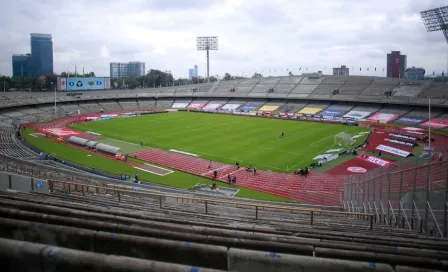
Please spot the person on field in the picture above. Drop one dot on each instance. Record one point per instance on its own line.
(215, 173)
(255, 170)
(210, 164)
(229, 179)
(282, 134)
(141, 144)
(237, 165)
(234, 180)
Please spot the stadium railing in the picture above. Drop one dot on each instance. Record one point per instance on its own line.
(119, 192)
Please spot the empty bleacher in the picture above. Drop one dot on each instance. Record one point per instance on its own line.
(305, 87)
(327, 86)
(378, 87)
(81, 222)
(9, 146)
(408, 88)
(226, 86)
(163, 104)
(129, 104)
(354, 86)
(90, 107)
(110, 106)
(146, 103)
(435, 90)
(292, 107)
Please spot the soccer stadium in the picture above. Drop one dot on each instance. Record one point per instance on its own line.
(309, 172)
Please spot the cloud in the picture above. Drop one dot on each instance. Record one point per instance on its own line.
(254, 35)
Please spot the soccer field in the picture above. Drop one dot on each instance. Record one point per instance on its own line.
(226, 138)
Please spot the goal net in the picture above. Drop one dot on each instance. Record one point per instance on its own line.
(343, 139)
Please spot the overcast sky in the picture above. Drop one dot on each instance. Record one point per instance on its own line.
(254, 35)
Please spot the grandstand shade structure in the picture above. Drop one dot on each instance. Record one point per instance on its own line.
(344, 139)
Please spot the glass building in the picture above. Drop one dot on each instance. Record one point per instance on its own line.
(42, 54)
(21, 65)
(415, 73)
(131, 69)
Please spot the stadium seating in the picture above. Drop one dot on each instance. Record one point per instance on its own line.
(409, 88)
(435, 90)
(9, 146)
(292, 107)
(129, 104)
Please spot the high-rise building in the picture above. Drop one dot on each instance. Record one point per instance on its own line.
(196, 70)
(191, 73)
(42, 54)
(342, 71)
(21, 64)
(131, 69)
(396, 64)
(415, 73)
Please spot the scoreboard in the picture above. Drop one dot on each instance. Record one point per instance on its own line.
(82, 83)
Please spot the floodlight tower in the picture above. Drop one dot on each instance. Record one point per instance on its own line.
(207, 44)
(436, 20)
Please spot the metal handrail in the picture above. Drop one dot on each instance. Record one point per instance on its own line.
(434, 218)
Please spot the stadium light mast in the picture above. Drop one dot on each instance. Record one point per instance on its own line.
(207, 44)
(437, 20)
(434, 20)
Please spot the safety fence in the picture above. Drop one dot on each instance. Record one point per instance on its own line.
(411, 194)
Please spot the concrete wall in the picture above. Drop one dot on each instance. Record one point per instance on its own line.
(22, 183)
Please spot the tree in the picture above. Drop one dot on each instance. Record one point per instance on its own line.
(227, 76)
(257, 75)
(290, 73)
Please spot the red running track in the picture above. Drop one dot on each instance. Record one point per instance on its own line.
(316, 189)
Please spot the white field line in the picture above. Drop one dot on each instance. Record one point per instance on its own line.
(145, 170)
(158, 167)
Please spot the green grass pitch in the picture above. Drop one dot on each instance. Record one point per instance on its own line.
(226, 138)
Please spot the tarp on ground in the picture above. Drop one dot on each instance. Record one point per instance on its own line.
(60, 132)
(230, 107)
(179, 105)
(436, 123)
(250, 107)
(268, 108)
(196, 105)
(309, 110)
(410, 120)
(357, 114)
(212, 106)
(383, 117)
(332, 112)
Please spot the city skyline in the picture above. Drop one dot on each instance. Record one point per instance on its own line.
(39, 61)
(249, 44)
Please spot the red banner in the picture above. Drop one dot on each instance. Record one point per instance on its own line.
(374, 160)
(60, 132)
(437, 123)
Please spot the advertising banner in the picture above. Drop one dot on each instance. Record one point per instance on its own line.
(268, 108)
(437, 123)
(374, 160)
(392, 150)
(409, 120)
(332, 112)
(383, 117)
(179, 105)
(196, 105)
(403, 136)
(61, 83)
(212, 106)
(230, 107)
(85, 83)
(286, 114)
(250, 107)
(357, 114)
(400, 142)
(311, 111)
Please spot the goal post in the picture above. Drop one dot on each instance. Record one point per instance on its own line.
(343, 139)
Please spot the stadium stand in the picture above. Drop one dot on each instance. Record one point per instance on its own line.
(246, 86)
(163, 104)
(292, 107)
(110, 106)
(264, 85)
(409, 88)
(340, 106)
(378, 87)
(285, 86)
(90, 107)
(327, 86)
(8, 144)
(353, 86)
(435, 90)
(226, 86)
(129, 104)
(146, 103)
(305, 87)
